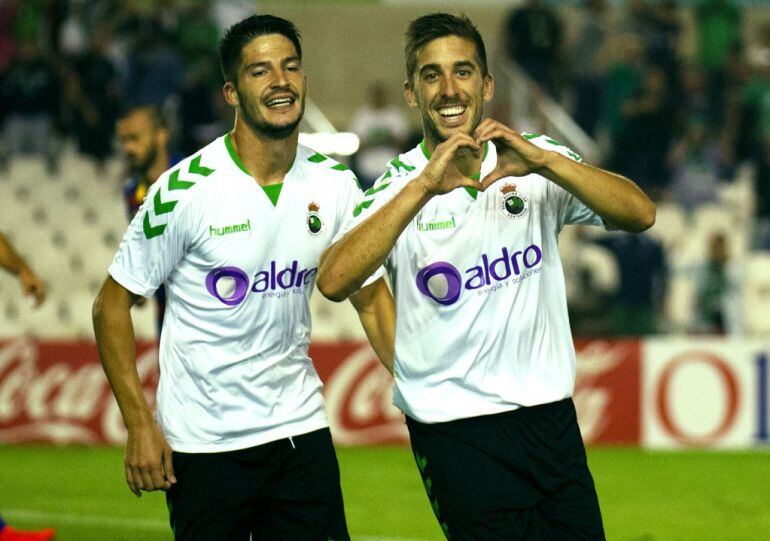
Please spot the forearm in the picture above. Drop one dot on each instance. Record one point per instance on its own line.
(377, 313)
(9, 259)
(351, 260)
(114, 333)
(618, 200)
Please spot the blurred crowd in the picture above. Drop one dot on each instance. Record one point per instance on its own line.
(678, 120)
(69, 67)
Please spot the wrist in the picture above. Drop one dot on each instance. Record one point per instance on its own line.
(420, 186)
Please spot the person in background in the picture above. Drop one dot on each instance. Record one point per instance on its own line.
(717, 298)
(636, 309)
(143, 138)
(31, 286)
(382, 129)
(30, 95)
(533, 39)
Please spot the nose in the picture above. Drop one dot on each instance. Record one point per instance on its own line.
(449, 86)
(280, 79)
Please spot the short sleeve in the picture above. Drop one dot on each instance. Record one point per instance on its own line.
(383, 190)
(153, 244)
(569, 209)
(373, 199)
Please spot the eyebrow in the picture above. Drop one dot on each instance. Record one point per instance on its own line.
(267, 63)
(456, 65)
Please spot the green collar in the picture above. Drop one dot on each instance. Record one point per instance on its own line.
(473, 192)
(272, 191)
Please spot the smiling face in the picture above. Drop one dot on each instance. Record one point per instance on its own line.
(270, 88)
(449, 88)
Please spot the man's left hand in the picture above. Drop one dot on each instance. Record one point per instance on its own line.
(516, 156)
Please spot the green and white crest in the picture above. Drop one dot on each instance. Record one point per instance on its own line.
(314, 222)
(514, 203)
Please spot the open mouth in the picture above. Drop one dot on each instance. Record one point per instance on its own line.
(452, 114)
(279, 102)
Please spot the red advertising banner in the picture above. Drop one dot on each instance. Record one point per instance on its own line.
(56, 392)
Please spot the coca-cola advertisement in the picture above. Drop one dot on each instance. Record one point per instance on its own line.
(56, 392)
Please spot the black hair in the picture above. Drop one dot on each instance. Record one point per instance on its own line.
(152, 110)
(425, 29)
(240, 34)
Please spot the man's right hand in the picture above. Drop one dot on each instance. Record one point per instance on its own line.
(441, 175)
(148, 460)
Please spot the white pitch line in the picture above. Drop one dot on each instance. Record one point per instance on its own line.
(129, 523)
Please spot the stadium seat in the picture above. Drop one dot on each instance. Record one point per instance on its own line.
(756, 294)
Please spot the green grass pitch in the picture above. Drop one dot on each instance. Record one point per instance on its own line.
(645, 496)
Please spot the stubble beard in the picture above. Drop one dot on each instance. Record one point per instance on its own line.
(267, 130)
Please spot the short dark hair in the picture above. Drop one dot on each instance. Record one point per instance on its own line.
(150, 109)
(240, 34)
(425, 29)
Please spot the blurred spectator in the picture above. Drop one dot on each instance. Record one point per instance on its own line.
(756, 97)
(623, 79)
(382, 129)
(30, 92)
(696, 163)
(591, 279)
(718, 26)
(92, 93)
(201, 119)
(144, 140)
(694, 102)
(533, 39)
(196, 34)
(717, 303)
(73, 36)
(155, 70)
(648, 118)
(762, 197)
(7, 42)
(638, 305)
(586, 64)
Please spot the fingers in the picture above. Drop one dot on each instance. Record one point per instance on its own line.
(456, 143)
(495, 132)
(492, 177)
(168, 466)
(132, 484)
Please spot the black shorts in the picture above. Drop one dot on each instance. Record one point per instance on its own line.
(516, 475)
(283, 490)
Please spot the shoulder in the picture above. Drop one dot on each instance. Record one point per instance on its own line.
(547, 143)
(182, 183)
(317, 167)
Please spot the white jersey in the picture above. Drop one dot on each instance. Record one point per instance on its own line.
(481, 323)
(239, 272)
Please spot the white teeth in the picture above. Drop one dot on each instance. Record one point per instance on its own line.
(452, 111)
(279, 101)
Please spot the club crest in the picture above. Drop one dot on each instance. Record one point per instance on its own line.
(514, 203)
(314, 222)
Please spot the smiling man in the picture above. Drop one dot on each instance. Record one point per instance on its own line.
(241, 443)
(466, 224)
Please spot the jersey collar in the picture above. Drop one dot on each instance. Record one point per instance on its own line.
(473, 192)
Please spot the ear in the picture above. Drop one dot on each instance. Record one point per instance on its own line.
(162, 138)
(411, 99)
(231, 94)
(489, 87)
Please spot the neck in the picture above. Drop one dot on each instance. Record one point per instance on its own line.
(158, 166)
(466, 162)
(267, 160)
